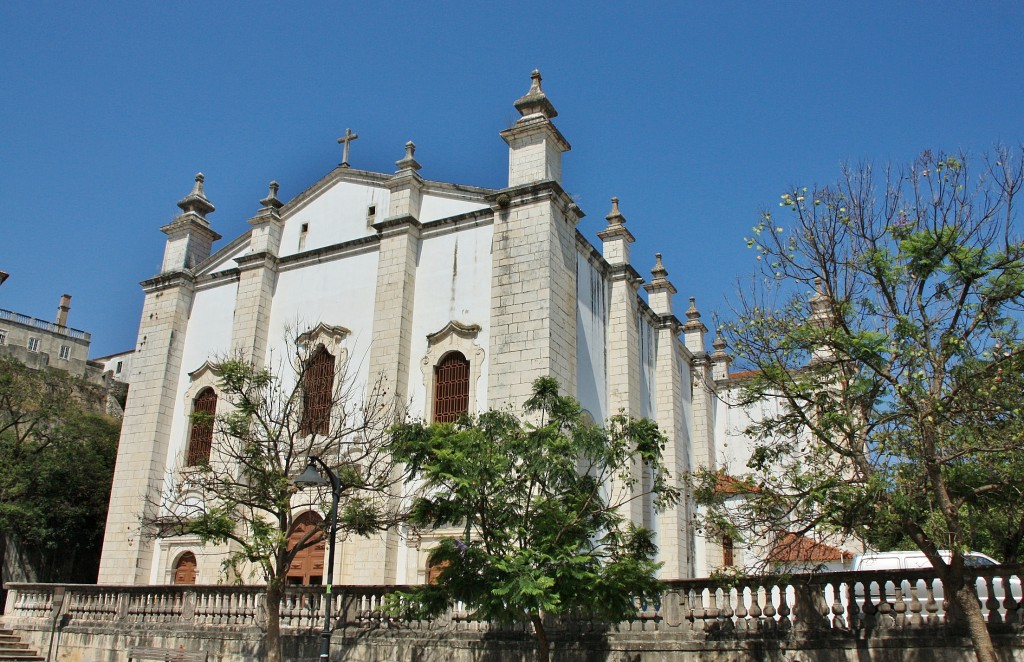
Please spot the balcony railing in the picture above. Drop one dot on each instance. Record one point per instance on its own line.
(43, 324)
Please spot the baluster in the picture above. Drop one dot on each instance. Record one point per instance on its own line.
(931, 605)
(915, 607)
(756, 613)
(742, 623)
(784, 609)
(900, 606)
(1010, 604)
(992, 603)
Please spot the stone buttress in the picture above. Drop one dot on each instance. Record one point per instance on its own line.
(145, 431)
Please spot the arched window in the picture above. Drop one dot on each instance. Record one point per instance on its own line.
(317, 393)
(307, 568)
(451, 387)
(728, 554)
(185, 569)
(200, 441)
(434, 571)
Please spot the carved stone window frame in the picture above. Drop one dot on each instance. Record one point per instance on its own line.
(453, 337)
(203, 377)
(331, 337)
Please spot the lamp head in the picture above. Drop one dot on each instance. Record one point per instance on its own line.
(310, 478)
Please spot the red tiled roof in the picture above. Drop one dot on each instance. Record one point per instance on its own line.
(743, 374)
(792, 547)
(727, 484)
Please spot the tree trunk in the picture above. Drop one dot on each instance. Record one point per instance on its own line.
(966, 599)
(543, 651)
(275, 591)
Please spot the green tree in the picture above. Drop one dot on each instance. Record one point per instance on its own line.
(542, 508)
(56, 464)
(265, 429)
(887, 363)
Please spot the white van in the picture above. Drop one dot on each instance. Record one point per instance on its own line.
(916, 560)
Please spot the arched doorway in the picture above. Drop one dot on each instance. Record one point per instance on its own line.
(185, 569)
(307, 568)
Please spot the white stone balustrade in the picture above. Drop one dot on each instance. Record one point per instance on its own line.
(742, 607)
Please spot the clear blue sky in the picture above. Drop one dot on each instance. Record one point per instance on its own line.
(696, 114)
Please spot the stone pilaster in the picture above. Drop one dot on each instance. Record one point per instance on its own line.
(703, 440)
(140, 471)
(390, 351)
(623, 340)
(533, 262)
(257, 280)
(674, 530)
(145, 430)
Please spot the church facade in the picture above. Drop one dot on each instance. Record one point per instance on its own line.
(482, 289)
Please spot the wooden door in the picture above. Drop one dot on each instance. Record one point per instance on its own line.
(185, 569)
(307, 568)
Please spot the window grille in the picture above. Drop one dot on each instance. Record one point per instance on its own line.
(317, 392)
(727, 552)
(204, 408)
(451, 388)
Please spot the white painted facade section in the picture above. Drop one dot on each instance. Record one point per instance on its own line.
(453, 283)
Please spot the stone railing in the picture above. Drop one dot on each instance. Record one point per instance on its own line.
(873, 601)
(42, 324)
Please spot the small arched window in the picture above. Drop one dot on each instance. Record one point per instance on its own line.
(185, 569)
(728, 553)
(451, 388)
(200, 441)
(317, 393)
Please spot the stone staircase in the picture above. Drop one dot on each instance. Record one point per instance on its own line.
(13, 650)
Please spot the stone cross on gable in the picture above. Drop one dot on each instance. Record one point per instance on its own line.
(345, 140)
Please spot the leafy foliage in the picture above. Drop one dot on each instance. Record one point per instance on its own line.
(542, 506)
(56, 465)
(892, 413)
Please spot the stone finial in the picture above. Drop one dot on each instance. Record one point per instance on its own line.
(408, 162)
(719, 344)
(271, 201)
(720, 359)
(615, 217)
(694, 328)
(196, 201)
(535, 101)
(819, 301)
(692, 313)
(659, 271)
(660, 289)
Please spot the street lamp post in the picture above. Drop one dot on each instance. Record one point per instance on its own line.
(311, 477)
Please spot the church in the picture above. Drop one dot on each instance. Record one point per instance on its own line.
(459, 296)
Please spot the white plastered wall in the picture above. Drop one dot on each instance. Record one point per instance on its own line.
(435, 207)
(208, 338)
(338, 292)
(592, 292)
(453, 283)
(337, 214)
